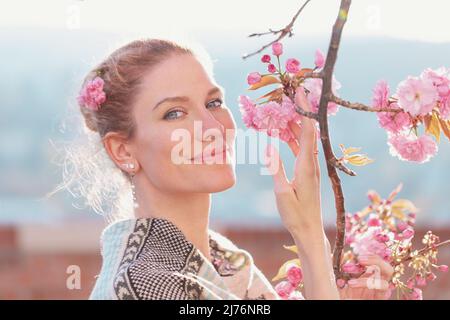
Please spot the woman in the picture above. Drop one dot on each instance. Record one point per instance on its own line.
(133, 102)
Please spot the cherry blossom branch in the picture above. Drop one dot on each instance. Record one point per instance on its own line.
(360, 106)
(313, 75)
(322, 118)
(283, 32)
(339, 165)
(308, 114)
(327, 74)
(427, 249)
(348, 276)
(289, 91)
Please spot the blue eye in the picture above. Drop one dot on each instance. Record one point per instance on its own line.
(174, 114)
(218, 103)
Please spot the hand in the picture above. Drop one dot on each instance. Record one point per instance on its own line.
(298, 201)
(373, 284)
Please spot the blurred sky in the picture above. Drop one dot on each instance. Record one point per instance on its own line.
(47, 46)
(406, 19)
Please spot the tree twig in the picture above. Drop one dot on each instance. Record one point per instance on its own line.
(339, 165)
(283, 32)
(327, 73)
(360, 106)
(427, 249)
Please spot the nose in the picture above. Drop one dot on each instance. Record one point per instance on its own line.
(208, 128)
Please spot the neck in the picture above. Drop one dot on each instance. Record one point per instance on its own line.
(188, 211)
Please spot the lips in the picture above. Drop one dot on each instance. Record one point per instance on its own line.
(211, 156)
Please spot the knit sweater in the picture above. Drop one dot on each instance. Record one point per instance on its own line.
(150, 258)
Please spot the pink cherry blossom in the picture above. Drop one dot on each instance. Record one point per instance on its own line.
(416, 294)
(421, 282)
(444, 108)
(374, 221)
(294, 275)
(296, 295)
(314, 86)
(284, 289)
(382, 237)
(292, 65)
(408, 233)
(248, 111)
(253, 78)
(367, 243)
(277, 49)
(265, 58)
(271, 68)
(289, 106)
(443, 268)
(394, 122)
(272, 118)
(349, 238)
(92, 95)
(440, 78)
(402, 226)
(417, 96)
(431, 276)
(319, 60)
(411, 148)
(341, 283)
(351, 267)
(380, 94)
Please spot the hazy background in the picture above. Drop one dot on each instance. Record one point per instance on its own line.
(48, 46)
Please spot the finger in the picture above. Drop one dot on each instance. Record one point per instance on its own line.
(383, 294)
(294, 146)
(301, 100)
(316, 155)
(369, 283)
(275, 166)
(374, 260)
(306, 136)
(295, 128)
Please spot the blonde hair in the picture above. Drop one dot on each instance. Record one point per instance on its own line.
(87, 170)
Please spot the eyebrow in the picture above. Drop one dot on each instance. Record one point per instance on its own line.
(185, 99)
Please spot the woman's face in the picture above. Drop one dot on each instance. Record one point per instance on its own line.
(184, 132)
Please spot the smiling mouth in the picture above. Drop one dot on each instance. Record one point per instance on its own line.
(212, 156)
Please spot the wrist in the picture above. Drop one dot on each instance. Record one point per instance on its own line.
(309, 237)
(316, 262)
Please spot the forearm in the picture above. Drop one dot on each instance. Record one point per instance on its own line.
(315, 256)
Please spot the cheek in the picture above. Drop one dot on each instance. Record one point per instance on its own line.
(154, 152)
(229, 124)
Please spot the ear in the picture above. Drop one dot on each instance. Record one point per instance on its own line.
(121, 151)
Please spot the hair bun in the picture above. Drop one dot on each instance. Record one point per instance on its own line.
(90, 119)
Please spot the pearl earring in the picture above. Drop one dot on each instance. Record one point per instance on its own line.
(133, 187)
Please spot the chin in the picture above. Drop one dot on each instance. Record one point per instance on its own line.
(216, 178)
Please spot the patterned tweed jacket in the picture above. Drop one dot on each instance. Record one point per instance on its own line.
(150, 258)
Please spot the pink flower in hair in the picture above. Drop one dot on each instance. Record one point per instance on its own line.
(92, 95)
